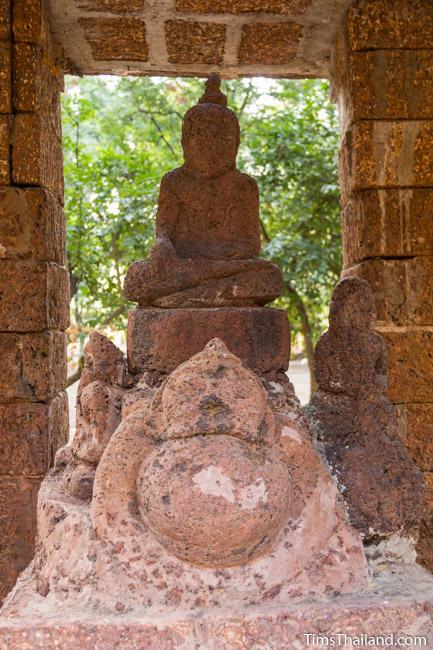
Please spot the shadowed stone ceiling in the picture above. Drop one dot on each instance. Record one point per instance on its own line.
(282, 38)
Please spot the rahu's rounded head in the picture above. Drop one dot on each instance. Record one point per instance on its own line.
(210, 133)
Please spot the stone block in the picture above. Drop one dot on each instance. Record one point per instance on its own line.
(195, 42)
(269, 43)
(116, 39)
(32, 366)
(385, 84)
(378, 154)
(27, 20)
(30, 434)
(424, 547)
(37, 77)
(24, 443)
(5, 77)
(37, 157)
(32, 225)
(114, 6)
(410, 359)
(402, 288)
(5, 20)
(4, 150)
(416, 424)
(390, 24)
(17, 528)
(162, 339)
(35, 298)
(243, 6)
(389, 223)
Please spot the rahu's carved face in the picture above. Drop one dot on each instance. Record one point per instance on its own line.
(210, 140)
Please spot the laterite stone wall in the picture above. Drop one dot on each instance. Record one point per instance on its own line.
(383, 81)
(34, 296)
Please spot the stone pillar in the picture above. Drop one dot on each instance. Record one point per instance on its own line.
(383, 81)
(34, 286)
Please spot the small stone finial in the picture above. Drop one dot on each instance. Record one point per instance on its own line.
(212, 93)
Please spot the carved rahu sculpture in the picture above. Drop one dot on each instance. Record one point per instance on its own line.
(207, 224)
(357, 424)
(209, 493)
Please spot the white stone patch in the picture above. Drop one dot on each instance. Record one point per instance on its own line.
(212, 482)
(2, 250)
(394, 550)
(290, 432)
(276, 387)
(251, 495)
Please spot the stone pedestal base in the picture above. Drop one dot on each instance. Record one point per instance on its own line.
(400, 604)
(162, 339)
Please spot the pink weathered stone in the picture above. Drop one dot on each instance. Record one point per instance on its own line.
(224, 503)
(161, 339)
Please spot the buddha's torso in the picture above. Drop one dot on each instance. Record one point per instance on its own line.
(216, 218)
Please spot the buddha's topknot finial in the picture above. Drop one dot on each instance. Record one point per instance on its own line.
(212, 93)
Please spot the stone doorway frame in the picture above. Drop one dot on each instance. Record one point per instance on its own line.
(383, 83)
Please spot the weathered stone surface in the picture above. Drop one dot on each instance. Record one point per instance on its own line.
(161, 339)
(115, 6)
(389, 84)
(24, 442)
(41, 162)
(27, 20)
(5, 77)
(400, 604)
(243, 6)
(269, 43)
(390, 24)
(207, 224)
(32, 225)
(357, 424)
(32, 366)
(425, 543)
(5, 16)
(202, 283)
(17, 527)
(410, 352)
(37, 76)
(377, 154)
(246, 489)
(35, 298)
(116, 38)
(388, 223)
(416, 422)
(401, 288)
(30, 434)
(4, 150)
(195, 42)
(99, 398)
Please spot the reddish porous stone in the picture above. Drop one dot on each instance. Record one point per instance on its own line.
(161, 339)
(99, 398)
(357, 424)
(207, 225)
(32, 225)
(209, 495)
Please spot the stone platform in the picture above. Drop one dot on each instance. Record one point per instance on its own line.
(162, 339)
(398, 603)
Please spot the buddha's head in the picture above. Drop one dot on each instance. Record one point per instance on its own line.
(210, 133)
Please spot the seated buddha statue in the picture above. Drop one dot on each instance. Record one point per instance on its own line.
(207, 223)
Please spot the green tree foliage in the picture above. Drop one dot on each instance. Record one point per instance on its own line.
(122, 135)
